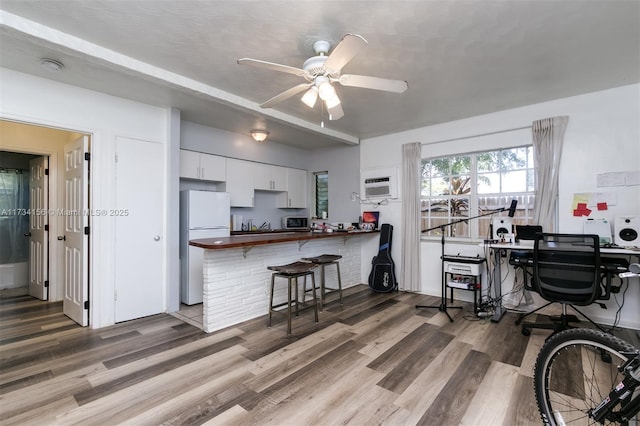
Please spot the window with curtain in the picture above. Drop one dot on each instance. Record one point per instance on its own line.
(468, 185)
(321, 183)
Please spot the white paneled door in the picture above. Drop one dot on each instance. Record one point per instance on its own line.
(38, 228)
(76, 229)
(139, 235)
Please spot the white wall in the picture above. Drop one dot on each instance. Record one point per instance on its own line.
(197, 137)
(602, 136)
(342, 164)
(35, 100)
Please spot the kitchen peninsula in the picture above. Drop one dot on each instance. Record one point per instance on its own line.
(235, 276)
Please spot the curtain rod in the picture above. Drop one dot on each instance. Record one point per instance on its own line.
(11, 170)
(475, 136)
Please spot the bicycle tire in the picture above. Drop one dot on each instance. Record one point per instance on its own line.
(565, 380)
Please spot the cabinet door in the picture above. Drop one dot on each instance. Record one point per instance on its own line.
(262, 177)
(239, 182)
(279, 178)
(212, 168)
(296, 195)
(189, 164)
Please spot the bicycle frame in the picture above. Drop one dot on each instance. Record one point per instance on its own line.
(618, 395)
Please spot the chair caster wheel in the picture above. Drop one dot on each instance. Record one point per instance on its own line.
(526, 332)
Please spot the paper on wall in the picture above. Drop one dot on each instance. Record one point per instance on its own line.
(585, 202)
(618, 179)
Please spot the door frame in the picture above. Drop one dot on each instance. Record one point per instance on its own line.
(56, 250)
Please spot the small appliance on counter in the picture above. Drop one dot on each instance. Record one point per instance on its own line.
(236, 222)
(295, 222)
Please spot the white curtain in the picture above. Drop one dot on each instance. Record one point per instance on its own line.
(548, 136)
(410, 265)
(14, 222)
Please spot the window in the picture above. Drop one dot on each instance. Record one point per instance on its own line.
(470, 185)
(321, 193)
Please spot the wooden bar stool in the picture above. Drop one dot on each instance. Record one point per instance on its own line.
(323, 261)
(292, 272)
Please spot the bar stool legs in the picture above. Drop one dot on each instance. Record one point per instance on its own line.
(323, 261)
(292, 272)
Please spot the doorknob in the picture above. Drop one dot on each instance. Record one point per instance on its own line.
(156, 238)
(28, 234)
(62, 238)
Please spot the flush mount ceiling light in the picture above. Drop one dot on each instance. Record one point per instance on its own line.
(51, 64)
(259, 135)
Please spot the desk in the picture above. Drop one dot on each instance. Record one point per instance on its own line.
(528, 246)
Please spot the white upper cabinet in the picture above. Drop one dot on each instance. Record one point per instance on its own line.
(189, 164)
(270, 178)
(296, 195)
(197, 165)
(239, 182)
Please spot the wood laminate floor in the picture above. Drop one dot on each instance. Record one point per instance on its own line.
(377, 360)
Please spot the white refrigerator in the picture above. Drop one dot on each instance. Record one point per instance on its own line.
(203, 214)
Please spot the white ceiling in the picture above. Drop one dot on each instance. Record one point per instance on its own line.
(460, 58)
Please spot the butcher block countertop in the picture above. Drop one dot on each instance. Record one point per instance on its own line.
(257, 239)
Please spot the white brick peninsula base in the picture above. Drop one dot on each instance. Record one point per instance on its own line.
(237, 282)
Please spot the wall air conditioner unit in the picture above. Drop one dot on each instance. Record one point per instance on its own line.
(379, 183)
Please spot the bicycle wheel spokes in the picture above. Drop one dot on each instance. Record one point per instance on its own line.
(579, 378)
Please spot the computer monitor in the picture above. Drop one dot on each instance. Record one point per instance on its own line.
(527, 232)
(370, 220)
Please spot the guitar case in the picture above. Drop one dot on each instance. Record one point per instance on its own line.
(383, 277)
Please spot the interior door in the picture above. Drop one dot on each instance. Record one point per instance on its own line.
(76, 221)
(139, 228)
(38, 228)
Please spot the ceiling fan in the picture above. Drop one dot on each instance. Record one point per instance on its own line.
(321, 71)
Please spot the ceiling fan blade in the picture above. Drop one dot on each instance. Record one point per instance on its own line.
(271, 66)
(348, 47)
(286, 94)
(376, 83)
(336, 112)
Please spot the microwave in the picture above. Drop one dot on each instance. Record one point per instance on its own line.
(295, 222)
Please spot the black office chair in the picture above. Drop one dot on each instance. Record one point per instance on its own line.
(566, 270)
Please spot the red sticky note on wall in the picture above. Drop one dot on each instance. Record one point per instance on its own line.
(602, 206)
(582, 212)
(581, 206)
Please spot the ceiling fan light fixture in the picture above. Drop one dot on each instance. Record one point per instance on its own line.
(310, 97)
(326, 90)
(259, 135)
(332, 101)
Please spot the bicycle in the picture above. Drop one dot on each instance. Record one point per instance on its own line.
(585, 376)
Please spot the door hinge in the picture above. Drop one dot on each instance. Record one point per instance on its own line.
(86, 304)
(46, 283)
(46, 172)
(87, 156)
(116, 157)
(86, 230)
(46, 228)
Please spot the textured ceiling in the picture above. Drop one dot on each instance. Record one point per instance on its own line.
(460, 58)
